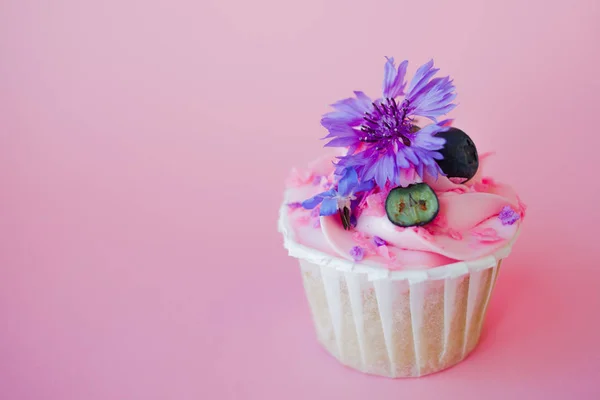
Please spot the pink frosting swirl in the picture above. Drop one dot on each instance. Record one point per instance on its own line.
(466, 228)
(468, 225)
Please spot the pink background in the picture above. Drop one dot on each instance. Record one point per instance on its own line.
(143, 148)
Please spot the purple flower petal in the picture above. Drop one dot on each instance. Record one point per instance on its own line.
(433, 170)
(424, 73)
(340, 130)
(348, 182)
(328, 207)
(364, 186)
(364, 100)
(419, 169)
(379, 241)
(393, 80)
(352, 106)
(427, 140)
(434, 99)
(385, 170)
(294, 205)
(357, 253)
(311, 203)
(317, 199)
(410, 155)
(508, 216)
(317, 180)
(315, 213)
(341, 142)
(338, 117)
(401, 160)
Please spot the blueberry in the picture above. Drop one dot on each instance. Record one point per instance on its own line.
(460, 155)
(415, 205)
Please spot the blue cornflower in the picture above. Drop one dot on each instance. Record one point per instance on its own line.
(341, 197)
(381, 135)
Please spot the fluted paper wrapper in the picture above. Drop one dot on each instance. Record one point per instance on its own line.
(400, 323)
(398, 327)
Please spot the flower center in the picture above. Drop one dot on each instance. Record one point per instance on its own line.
(386, 124)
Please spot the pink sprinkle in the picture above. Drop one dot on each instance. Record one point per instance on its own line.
(359, 237)
(487, 154)
(488, 180)
(314, 215)
(303, 220)
(371, 248)
(315, 212)
(299, 178)
(522, 207)
(486, 235)
(484, 185)
(440, 221)
(294, 206)
(384, 252)
(326, 181)
(365, 242)
(424, 233)
(408, 176)
(479, 187)
(454, 234)
(375, 205)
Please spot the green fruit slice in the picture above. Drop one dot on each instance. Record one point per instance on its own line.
(415, 205)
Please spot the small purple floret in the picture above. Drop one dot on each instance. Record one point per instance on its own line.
(357, 253)
(340, 196)
(508, 216)
(379, 241)
(315, 213)
(294, 205)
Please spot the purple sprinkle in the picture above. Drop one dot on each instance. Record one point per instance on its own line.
(357, 253)
(295, 205)
(315, 212)
(316, 223)
(379, 241)
(508, 216)
(316, 180)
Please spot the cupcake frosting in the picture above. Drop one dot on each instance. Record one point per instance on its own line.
(475, 219)
(444, 209)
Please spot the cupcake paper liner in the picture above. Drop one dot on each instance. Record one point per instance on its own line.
(405, 323)
(397, 328)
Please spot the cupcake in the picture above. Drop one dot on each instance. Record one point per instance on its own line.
(399, 233)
